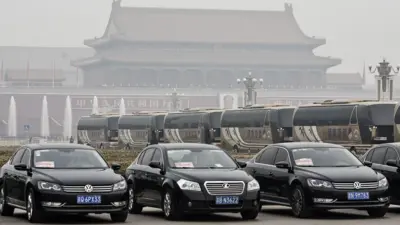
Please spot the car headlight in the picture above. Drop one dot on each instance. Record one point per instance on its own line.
(383, 183)
(253, 185)
(120, 186)
(188, 185)
(42, 185)
(319, 183)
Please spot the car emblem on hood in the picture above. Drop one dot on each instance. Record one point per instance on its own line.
(357, 185)
(88, 188)
(225, 185)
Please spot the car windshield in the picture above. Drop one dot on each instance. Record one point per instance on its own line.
(68, 159)
(200, 159)
(324, 157)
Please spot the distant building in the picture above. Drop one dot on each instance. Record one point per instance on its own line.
(161, 47)
(40, 66)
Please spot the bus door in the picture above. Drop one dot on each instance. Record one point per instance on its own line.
(353, 130)
(267, 133)
(200, 130)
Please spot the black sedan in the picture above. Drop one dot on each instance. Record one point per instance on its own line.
(61, 178)
(318, 176)
(191, 178)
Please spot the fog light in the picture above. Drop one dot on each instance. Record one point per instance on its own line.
(118, 204)
(323, 200)
(383, 199)
(52, 204)
(190, 204)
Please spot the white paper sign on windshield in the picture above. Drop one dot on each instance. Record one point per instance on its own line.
(218, 165)
(184, 164)
(304, 162)
(45, 164)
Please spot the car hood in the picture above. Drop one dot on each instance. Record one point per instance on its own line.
(343, 174)
(78, 176)
(202, 175)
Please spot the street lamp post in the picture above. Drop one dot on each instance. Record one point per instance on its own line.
(175, 99)
(250, 84)
(384, 78)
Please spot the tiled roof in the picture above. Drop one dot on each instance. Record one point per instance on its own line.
(206, 26)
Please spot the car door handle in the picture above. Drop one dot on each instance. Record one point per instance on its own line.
(271, 174)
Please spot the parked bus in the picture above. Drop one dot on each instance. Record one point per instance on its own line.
(141, 129)
(252, 128)
(397, 123)
(99, 131)
(354, 124)
(193, 126)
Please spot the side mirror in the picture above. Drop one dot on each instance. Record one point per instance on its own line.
(367, 163)
(155, 164)
(282, 165)
(241, 164)
(21, 167)
(392, 162)
(115, 166)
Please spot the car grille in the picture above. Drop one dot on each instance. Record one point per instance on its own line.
(350, 186)
(224, 187)
(81, 189)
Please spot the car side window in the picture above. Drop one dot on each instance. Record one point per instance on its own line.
(268, 156)
(281, 156)
(369, 156)
(17, 157)
(391, 154)
(157, 156)
(26, 157)
(379, 155)
(147, 157)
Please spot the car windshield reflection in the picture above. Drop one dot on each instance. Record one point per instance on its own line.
(199, 159)
(324, 157)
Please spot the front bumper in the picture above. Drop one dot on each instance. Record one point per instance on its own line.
(200, 202)
(337, 199)
(67, 202)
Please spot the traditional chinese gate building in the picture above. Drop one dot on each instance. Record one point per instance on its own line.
(162, 47)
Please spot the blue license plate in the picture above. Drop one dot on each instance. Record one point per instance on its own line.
(227, 200)
(357, 195)
(88, 199)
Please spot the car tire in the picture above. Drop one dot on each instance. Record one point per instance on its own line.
(377, 212)
(33, 213)
(6, 209)
(119, 217)
(298, 203)
(170, 206)
(133, 206)
(250, 214)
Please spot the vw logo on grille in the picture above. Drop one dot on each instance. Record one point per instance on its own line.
(357, 185)
(225, 186)
(88, 188)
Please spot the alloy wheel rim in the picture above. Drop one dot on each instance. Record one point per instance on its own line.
(131, 198)
(167, 204)
(29, 208)
(297, 202)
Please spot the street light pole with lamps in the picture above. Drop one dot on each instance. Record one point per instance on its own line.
(250, 84)
(175, 99)
(384, 78)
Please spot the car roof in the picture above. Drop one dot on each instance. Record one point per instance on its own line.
(57, 146)
(168, 146)
(295, 145)
(393, 144)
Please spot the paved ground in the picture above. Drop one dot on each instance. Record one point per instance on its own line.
(270, 215)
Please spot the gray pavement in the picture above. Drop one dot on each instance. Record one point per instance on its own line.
(270, 215)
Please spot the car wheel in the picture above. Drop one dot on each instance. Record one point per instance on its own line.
(249, 215)
(133, 207)
(32, 211)
(170, 208)
(299, 203)
(119, 217)
(377, 212)
(6, 209)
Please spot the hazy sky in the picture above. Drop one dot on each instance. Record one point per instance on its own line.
(356, 30)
